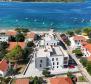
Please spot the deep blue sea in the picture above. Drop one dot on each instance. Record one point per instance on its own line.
(42, 16)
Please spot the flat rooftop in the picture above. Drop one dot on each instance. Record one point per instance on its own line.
(51, 51)
(42, 52)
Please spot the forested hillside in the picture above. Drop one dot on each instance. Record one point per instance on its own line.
(50, 0)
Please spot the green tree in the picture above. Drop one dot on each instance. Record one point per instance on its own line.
(83, 61)
(3, 51)
(15, 54)
(24, 30)
(37, 80)
(89, 67)
(70, 33)
(78, 31)
(87, 30)
(68, 42)
(27, 52)
(46, 73)
(3, 45)
(20, 37)
(37, 37)
(78, 52)
(12, 38)
(30, 44)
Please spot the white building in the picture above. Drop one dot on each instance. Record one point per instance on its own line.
(78, 39)
(4, 38)
(86, 49)
(52, 57)
(50, 39)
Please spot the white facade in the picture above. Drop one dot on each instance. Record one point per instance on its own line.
(49, 54)
(50, 40)
(28, 39)
(2, 74)
(85, 52)
(52, 57)
(4, 38)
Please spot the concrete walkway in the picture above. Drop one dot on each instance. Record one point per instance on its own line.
(32, 71)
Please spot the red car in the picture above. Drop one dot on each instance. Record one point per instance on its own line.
(71, 66)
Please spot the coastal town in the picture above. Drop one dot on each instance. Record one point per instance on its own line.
(45, 57)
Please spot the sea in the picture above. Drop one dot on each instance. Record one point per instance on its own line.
(43, 16)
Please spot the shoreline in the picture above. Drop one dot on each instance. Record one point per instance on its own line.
(39, 31)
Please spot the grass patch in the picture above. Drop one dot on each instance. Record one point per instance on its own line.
(81, 79)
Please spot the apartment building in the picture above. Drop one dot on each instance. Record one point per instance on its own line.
(49, 54)
(51, 57)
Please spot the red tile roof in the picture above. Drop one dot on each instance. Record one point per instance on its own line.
(89, 58)
(79, 38)
(84, 43)
(61, 80)
(22, 81)
(88, 47)
(11, 33)
(4, 65)
(14, 44)
(30, 35)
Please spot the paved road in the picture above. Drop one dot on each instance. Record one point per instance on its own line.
(80, 66)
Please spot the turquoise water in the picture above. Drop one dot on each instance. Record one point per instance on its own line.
(42, 16)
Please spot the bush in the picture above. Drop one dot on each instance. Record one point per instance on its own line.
(30, 44)
(70, 33)
(68, 42)
(81, 79)
(46, 73)
(83, 61)
(78, 52)
(89, 67)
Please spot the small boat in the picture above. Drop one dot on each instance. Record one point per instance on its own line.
(82, 20)
(35, 20)
(16, 20)
(43, 22)
(26, 18)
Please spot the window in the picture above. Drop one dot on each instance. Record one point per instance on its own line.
(52, 59)
(41, 61)
(65, 58)
(53, 66)
(57, 63)
(57, 66)
(65, 62)
(40, 65)
(53, 63)
(56, 59)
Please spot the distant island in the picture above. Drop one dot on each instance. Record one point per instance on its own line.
(50, 0)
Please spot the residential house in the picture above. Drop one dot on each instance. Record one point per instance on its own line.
(4, 67)
(30, 36)
(50, 39)
(4, 38)
(86, 49)
(61, 80)
(78, 39)
(11, 32)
